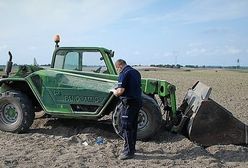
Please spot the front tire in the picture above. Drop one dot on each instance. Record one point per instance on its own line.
(149, 119)
(16, 112)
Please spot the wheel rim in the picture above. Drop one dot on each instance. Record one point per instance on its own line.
(142, 119)
(9, 114)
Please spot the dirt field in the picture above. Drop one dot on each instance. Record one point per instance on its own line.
(52, 143)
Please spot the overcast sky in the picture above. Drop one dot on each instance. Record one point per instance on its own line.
(195, 32)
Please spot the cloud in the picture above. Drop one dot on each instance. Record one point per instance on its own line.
(3, 47)
(136, 53)
(216, 30)
(230, 50)
(212, 10)
(76, 16)
(196, 51)
(3, 53)
(30, 24)
(198, 11)
(195, 44)
(32, 48)
(212, 55)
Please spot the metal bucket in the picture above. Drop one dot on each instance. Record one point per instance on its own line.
(208, 123)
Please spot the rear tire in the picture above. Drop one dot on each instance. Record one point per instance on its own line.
(16, 112)
(149, 120)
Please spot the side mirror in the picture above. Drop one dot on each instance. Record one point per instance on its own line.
(112, 53)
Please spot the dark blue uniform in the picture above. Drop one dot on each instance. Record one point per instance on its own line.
(130, 79)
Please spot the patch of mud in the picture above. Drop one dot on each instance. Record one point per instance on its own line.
(56, 143)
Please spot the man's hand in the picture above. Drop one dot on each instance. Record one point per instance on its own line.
(118, 92)
(114, 91)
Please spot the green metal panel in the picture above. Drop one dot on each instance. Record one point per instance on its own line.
(59, 90)
(172, 99)
(163, 89)
(149, 86)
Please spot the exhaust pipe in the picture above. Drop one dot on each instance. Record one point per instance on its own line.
(208, 123)
(8, 67)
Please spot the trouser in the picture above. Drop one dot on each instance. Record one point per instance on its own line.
(129, 124)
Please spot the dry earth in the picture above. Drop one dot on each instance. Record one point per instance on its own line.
(56, 143)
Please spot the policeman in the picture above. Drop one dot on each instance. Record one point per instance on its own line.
(129, 91)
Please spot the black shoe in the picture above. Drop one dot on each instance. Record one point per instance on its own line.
(125, 156)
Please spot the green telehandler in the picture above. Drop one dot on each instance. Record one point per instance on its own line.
(78, 85)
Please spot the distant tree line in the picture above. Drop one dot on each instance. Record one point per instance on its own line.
(177, 66)
(195, 66)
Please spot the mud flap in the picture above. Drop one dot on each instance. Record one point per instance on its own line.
(208, 122)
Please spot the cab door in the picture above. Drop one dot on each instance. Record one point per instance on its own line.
(67, 89)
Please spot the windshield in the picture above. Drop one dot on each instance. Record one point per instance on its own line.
(80, 60)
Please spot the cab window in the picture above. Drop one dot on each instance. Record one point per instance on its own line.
(67, 60)
(80, 60)
(92, 62)
(72, 61)
(59, 61)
